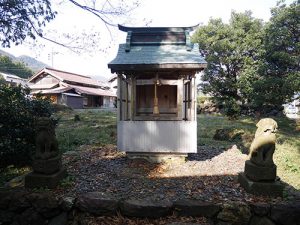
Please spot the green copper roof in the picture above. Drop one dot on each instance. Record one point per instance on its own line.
(157, 47)
(153, 54)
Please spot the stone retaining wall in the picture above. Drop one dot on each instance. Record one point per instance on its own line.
(24, 208)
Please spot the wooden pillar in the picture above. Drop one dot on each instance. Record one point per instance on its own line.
(123, 99)
(126, 100)
(189, 99)
(129, 86)
(194, 99)
(185, 100)
(133, 97)
(180, 98)
(119, 98)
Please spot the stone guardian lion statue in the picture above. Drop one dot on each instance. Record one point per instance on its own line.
(263, 145)
(46, 143)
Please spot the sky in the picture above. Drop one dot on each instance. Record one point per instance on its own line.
(156, 13)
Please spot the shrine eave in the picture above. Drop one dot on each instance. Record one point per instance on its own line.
(128, 68)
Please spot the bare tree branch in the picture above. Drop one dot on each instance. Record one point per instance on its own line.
(95, 12)
(22, 18)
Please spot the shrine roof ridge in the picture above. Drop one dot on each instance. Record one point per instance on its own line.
(156, 29)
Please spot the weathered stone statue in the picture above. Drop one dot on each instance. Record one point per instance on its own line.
(47, 165)
(46, 143)
(259, 176)
(263, 145)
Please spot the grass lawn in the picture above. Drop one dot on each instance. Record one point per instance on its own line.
(99, 128)
(92, 128)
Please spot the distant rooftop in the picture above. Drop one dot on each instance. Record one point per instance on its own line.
(67, 77)
(11, 76)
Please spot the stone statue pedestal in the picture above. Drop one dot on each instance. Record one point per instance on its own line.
(47, 173)
(39, 180)
(260, 180)
(260, 173)
(47, 166)
(268, 188)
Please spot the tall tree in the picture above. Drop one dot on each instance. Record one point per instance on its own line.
(282, 53)
(233, 52)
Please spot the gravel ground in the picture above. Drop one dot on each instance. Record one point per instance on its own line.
(209, 175)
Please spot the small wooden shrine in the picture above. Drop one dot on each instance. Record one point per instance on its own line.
(156, 70)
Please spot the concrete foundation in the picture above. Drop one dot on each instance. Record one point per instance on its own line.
(158, 157)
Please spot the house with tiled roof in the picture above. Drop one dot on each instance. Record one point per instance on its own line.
(74, 90)
(12, 79)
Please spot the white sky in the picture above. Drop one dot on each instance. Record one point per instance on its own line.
(160, 12)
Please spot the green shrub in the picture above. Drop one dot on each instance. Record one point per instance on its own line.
(231, 108)
(17, 115)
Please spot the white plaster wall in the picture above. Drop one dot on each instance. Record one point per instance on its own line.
(157, 136)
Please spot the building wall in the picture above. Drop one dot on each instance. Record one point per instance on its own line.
(98, 101)
(47, 80)
(75, 102)
(108, 102)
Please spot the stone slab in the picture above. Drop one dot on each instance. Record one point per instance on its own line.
(61, 219)
(146, 208)
(38, 180)
(32, 217)
(260, 208)
(191, 207)
(6, 217)
(98, 203)
(234, 213)
(257, 220)
(260, 173)
(287, 213)
(273, 188)
(183, 223)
